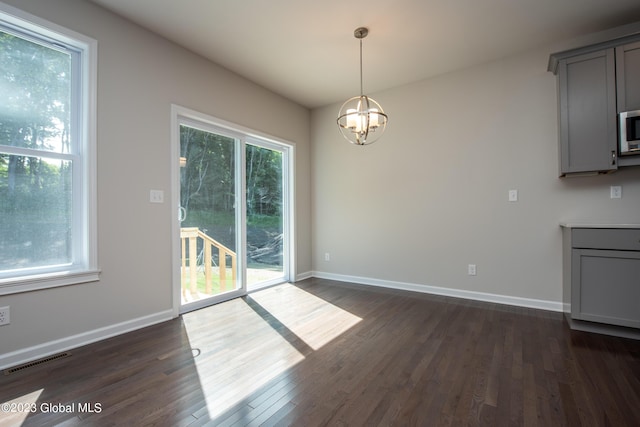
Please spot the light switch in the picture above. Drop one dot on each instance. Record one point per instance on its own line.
(472, 270)
(513, 195)
(616, 192)
(156, 196)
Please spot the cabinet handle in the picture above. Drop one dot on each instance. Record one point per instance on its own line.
(613, 157)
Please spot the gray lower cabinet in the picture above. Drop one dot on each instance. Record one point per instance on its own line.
(606, 287)
(604, 276)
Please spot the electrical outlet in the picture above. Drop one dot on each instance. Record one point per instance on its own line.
(5, 317)
(471, 270)
(327, 257)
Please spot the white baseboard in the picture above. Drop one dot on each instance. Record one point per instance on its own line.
(303, 276)
(67, 343)
(52, 347)
(436, 290)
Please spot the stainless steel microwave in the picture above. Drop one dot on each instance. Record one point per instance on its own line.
(629, 132)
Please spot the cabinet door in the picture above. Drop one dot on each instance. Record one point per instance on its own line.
(587, 97)
(605, 286)
(628, 76)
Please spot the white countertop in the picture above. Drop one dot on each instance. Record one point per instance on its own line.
(596, 225)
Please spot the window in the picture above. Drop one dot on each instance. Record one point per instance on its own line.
(47, 154)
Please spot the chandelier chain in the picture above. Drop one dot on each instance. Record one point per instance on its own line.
(361, 86)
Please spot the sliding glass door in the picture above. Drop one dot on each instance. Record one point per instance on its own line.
(209, 238)
(266, 207)
(233, 212)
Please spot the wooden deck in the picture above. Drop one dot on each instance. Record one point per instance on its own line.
(322, 353)
(254, 276)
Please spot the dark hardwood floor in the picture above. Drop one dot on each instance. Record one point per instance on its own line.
(324, 353)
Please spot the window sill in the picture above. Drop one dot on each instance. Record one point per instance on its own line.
(46, 281)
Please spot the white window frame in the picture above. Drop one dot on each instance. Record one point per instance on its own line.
(84, 265)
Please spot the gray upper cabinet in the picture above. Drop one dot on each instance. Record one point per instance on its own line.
(628, 76)
(587, 97)
(595, 83)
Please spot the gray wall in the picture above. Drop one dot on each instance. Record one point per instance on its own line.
(139, 76)
(430, 197)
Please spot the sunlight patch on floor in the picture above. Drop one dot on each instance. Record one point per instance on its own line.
(15, 412)
(244, 344)
(312, 319)
(233, 360)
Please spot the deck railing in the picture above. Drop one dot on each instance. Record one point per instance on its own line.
(189, 237)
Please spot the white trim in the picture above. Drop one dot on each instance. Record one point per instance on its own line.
(174, 168)
(241, 214)
(30, 152)
(84, 266)
(224, 124)
(49, 280)
(67, 343)
(292, 217)
(216, 299)
(75, 341)
(304, 276)
(436, 290)
(245, 135)
(17, 17)
(90, 149)
(288, 209)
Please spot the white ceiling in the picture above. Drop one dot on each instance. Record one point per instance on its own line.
(305, 50)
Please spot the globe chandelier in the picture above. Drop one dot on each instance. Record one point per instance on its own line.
(361, 119)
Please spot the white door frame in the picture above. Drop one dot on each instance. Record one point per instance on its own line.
(179, 114)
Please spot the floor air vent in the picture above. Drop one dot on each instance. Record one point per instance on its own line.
(38, 362)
